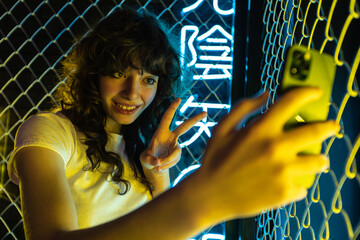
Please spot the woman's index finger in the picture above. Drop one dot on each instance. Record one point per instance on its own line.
(169, 114)
(290, 102)
(188, 124)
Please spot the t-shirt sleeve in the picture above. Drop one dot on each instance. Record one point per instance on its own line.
(48, 130)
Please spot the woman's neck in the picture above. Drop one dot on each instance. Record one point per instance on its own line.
(112, 126)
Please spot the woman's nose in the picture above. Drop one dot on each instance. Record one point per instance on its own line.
(131, 86)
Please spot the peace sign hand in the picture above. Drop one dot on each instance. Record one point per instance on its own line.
(164, 151)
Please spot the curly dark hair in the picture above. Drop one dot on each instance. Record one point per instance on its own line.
(125, 38)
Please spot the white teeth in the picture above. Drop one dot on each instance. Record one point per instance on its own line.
(125, 107)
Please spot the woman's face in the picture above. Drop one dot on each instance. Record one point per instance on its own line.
(125, 95)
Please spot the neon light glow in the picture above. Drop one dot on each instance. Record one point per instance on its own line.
(213, 236)
(208, 236)
(213, 30)
(207, 52)
(212, 77)
(216, 40)
(204, 106)
(186, 105)
(184, 172)
(203, 127)
(220, 11)
(207, 43)
(213, 66)
(190, 44)
(215, 5)
(215, 58)
(192, 7)
(216, 48)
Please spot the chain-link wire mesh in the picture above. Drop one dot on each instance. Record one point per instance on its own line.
(35, 37)
(331, 209)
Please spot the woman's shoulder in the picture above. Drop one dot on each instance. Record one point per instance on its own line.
(54, 115)
(50, 130)
(47, 117)
(46, 123)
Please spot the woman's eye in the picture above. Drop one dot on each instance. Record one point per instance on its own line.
(118, 75)
(150, 81)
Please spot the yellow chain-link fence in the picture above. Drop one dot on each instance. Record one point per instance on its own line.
(332, 207)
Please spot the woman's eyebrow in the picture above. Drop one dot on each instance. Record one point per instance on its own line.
(154, 76)
(147, 74)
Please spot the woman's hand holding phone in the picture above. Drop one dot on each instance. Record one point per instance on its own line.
(255, 168)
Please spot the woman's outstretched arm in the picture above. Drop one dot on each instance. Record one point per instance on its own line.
(244, 172)
(49, 211)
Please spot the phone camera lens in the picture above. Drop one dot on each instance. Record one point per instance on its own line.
(294, 70)
(298, 55)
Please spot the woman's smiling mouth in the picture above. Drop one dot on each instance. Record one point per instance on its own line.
(125, 109)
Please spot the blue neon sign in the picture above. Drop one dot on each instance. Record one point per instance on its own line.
(210, 54)
(207, 50)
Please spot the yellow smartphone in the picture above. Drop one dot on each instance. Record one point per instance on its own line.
(309, 67)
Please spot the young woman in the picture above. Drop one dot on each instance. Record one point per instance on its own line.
(91, 170)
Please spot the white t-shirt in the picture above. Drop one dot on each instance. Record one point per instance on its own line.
(96, 197)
